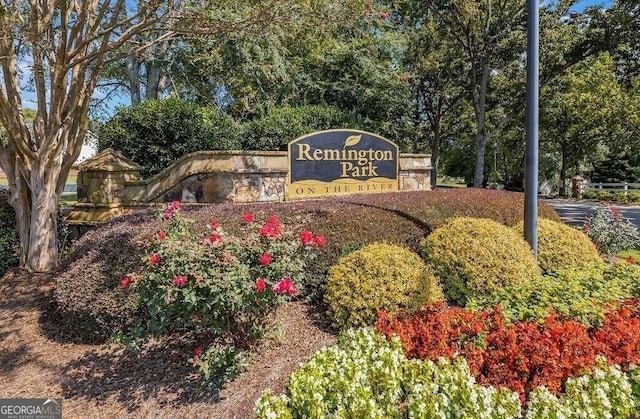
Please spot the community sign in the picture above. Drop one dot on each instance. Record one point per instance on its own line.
(338, 162)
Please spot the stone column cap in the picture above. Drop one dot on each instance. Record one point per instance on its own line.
(109, 160)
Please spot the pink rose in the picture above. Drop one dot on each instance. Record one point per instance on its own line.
(154, 259)
(306, 237)
(125, 282)
(273, 220)
(180, 280)
(175, 205)
(248, 218)
(320, 240)
(265, 259)
(284, 286)
(168, 213)
(261, 285)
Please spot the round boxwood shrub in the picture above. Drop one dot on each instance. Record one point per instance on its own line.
(563, 247)
(378, 277)
(475, 256)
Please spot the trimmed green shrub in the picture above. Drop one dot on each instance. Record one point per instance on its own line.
(562, 247)
(633, 197)
(9, 243)
(156, 133)
(378, 277)
(582, 294)
(282, 125)
(474, 257)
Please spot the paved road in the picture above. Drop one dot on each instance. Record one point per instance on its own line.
(572, 212)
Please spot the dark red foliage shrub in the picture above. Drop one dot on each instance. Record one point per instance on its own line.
(88, 293)
(519, 356)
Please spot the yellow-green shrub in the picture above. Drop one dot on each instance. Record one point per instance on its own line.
(378, 277)
(475, 256)
(563, 247)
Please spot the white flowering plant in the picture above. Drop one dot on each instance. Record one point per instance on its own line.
(366, 376)
(610, 231)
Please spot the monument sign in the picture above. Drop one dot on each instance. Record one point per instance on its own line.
(338, 162)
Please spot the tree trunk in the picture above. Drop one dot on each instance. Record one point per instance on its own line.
(154, 81)
(41, 251)
(435, 156)
(481, 143)
(480, 106)
(563, 168)
(133, 71)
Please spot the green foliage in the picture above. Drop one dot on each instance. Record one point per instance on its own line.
(366, 376)
(610, 231)
(9, 243)
(223, 286)
(582, 294)
(282, 125)
(562, 247)
(378, 277)
(156, 133)
(474, 257)
(617, 168)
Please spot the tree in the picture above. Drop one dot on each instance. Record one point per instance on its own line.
(580, 113)
(438, 77)
(64, 46)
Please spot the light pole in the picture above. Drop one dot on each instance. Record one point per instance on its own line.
(531, 159)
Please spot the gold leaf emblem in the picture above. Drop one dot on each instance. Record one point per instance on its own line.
(352, 140)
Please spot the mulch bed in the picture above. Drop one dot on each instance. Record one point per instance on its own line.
(39, 359)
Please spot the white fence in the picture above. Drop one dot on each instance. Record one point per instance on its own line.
(611, 187)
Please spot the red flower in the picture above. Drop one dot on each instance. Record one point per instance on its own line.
(265, 259)
(320, 240)
(175, 205)
(630, 260)
(154, 259)
(168, 213)
(125, 282)
(215, 239)
(306, 237)
(271, 230)
(248, 218)
(273, 220)
(285, 286)
(180, 280)
(261, 285)
(162, 235)
(214, 225)
(197, 352)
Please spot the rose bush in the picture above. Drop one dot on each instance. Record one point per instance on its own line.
(221, 287)
(610, 231)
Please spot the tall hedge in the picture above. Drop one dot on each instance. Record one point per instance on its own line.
(281, 125)
(156, 133)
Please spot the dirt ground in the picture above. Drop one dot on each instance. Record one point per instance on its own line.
(40, 360)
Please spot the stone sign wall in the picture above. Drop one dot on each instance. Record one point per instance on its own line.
(109, 184)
